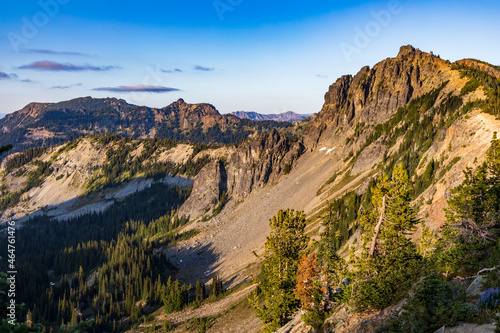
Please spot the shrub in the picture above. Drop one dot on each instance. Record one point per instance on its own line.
(435, 303)
(470, 86)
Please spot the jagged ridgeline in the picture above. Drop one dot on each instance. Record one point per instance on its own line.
(399, 112)
(405, 129)
(47, 124)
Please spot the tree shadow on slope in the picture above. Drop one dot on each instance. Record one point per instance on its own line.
(194, 263)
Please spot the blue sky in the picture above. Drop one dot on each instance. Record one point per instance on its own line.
(251, 55)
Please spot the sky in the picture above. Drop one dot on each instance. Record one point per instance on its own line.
(239, 55)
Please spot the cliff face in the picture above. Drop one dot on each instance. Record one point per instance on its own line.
(256, 163)
(353, 106)
(374, 94)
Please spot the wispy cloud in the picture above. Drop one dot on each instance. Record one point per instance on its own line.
(322, 76)
(55, 66)
(66, 87)
(177, 70)
(203, 68)
(138, 88)
(42, 51)
(5, 76)
(12, 76)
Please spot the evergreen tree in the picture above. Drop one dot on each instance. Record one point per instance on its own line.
(274, 300)
(310, 292)
(200, 291)
(334, 267)
(9, 323)
(467, 211)
(472, 219)
(216, 288)
(389, 262)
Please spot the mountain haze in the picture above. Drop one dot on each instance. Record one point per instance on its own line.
(285, 116)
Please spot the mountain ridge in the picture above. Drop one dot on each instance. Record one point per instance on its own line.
(288, 116)
(46, 124)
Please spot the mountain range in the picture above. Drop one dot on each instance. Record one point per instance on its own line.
(46, 124)
(285, 116)
(89, 156)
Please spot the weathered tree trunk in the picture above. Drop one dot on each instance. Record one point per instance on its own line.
(377, 227)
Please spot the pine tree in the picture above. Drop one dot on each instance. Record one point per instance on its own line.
(389, 262)
(310, 292)
(307, 275)
(472, 220)
(493, 165)
(283, 249)
(200, 291)
(333, 266)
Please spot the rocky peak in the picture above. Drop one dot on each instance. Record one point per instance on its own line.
(374, 94)
(192, 110)
(178, 103)
(406, 50)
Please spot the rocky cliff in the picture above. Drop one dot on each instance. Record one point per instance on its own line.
(253, 165)
(374, 94)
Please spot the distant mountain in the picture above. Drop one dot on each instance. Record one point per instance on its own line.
(46, 124)
(286, 116)
(2, 115)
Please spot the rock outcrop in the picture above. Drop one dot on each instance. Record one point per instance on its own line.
(374, 94)
(256, 163)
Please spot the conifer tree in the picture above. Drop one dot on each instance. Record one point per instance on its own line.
(493, 165)
(310, 292)
(472, 218)
(10, 324)
(334, 267)
(283, 249)
(200, 291)
(389, 262)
